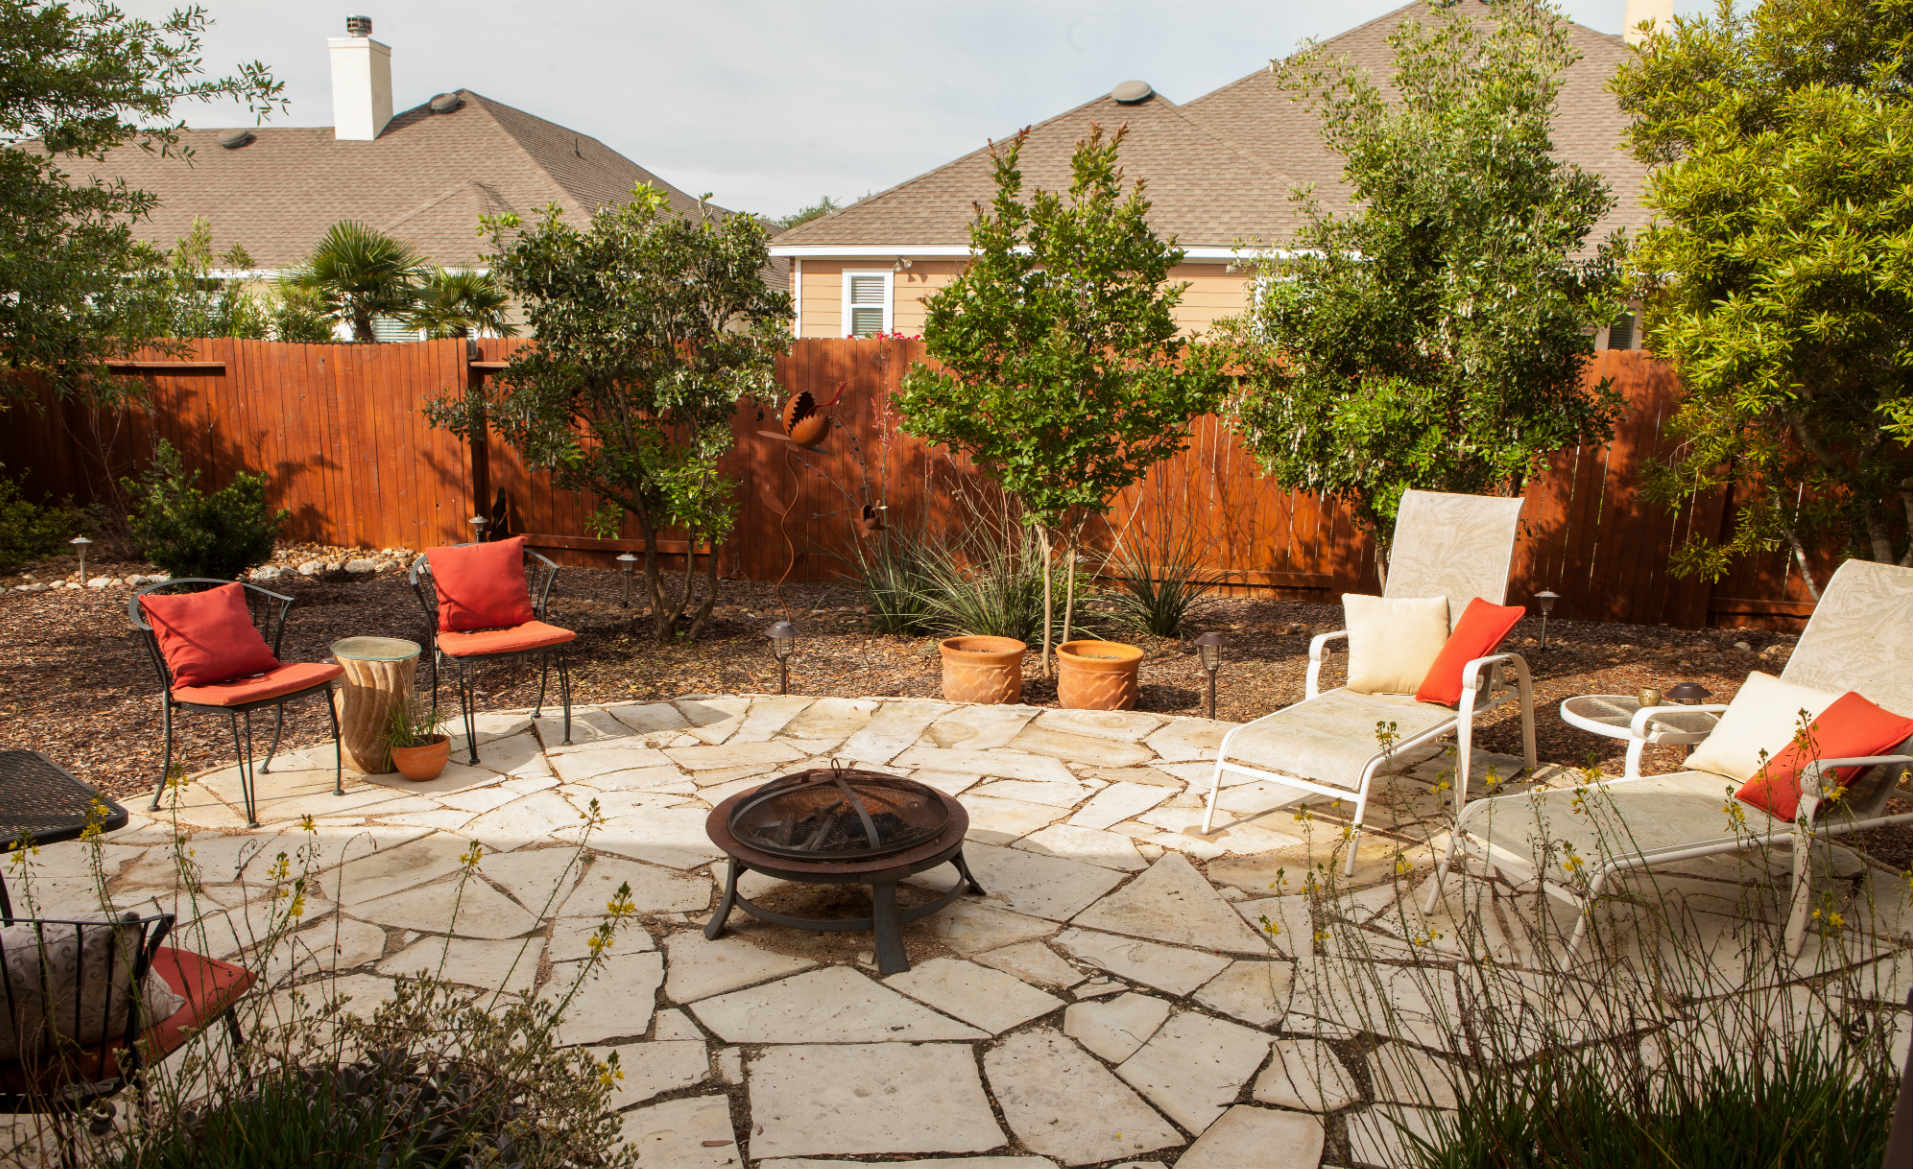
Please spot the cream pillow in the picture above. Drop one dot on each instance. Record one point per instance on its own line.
(1763, 717)
(1392, 641)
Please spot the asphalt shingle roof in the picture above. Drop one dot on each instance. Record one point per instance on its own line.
(425, 179)
(1219, 168)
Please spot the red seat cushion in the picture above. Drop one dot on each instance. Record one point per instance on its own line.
(1851, 728)
(207, 637)
(210, 988)
(481, 586)
(287, 679)
(518, 639)
(1480, 630)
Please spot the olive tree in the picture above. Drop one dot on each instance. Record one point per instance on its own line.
(650, 327)
(1778, 272)
(1060, 369)
(1435, 333)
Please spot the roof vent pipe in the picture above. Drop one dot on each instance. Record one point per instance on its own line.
(358, 26)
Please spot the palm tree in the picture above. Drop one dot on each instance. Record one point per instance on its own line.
(358, 273)
(455, 304)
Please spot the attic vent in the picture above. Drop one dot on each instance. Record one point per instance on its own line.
(445, 103)
(1131, 92)
(234, 139)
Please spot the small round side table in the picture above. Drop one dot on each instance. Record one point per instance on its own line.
(378, 676)
(1612, 716)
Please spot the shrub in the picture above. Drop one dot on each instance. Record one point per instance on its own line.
(1156, 595)
(989, 584)
(895, 582)
(189, 533)
(30, 531)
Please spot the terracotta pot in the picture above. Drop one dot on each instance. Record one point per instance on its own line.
(424, 761)
(983, 669)
(1097, 675)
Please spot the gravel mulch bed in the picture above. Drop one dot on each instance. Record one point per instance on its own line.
(81, 689)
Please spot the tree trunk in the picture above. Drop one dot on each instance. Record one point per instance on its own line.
(661, 618)
(709, 603)
(1069, 582)
(1800, 562)
(1906, 501)
(362, 328)
(1042, 535)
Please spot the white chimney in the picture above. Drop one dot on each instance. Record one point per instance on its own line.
(362, 82)
(1659, 12)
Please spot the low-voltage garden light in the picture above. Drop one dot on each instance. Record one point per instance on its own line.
(1687, 693)
(479, 523)
(80, 545)
(783, 637)
(627, 567)
(1545, 599)
(1209, 648)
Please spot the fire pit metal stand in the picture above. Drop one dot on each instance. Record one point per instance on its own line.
(880, 873)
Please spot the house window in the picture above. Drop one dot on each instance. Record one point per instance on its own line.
(393, 329)
(1620, 334)
(866, 303)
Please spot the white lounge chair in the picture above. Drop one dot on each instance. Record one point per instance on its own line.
(1454, 546)
(1860, 638)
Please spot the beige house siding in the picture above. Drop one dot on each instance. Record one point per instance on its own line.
(1214, 292)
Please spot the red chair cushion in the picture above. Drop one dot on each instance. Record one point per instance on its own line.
(1480, 630)
(210, 988)
(1850, 728)
(481, 586)
(207, 637)
(287, 679)
(518, 639)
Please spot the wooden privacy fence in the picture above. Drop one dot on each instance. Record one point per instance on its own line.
(339, 431)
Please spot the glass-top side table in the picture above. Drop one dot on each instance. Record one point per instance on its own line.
(378, 676)
(1620, 716)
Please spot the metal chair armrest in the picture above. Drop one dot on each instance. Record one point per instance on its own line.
(1813, 775)
(1638, 725)
(1318, 645)
(549, 567)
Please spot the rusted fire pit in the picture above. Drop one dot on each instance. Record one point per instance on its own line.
(838, 826)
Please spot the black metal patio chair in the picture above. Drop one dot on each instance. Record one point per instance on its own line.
(237, 698)
(465, 649)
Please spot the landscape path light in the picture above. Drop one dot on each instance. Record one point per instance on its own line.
(80, 545)
(627, 567)
(1546, 599)
(1209, 647)
(1687, 693)
(783, 637)
(479, 523)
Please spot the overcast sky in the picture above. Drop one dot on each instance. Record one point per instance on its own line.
(767, 106)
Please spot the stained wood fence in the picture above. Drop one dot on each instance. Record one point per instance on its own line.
(339, 430)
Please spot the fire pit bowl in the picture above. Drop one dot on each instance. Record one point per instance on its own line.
(838, 826)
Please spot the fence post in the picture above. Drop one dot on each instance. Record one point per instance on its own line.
(480, 440)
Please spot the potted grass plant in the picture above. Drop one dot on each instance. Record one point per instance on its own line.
(416, 734)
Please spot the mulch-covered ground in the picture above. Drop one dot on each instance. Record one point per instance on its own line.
(81, 689)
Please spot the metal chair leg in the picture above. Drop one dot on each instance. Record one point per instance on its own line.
(166, 763)
(544, 675)
(245, 769)
(467, 701)
(564, 691)
(278, 728)
(338, 751)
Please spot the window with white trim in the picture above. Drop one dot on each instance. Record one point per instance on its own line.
(866, 303)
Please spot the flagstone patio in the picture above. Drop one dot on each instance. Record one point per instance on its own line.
(1114, 995)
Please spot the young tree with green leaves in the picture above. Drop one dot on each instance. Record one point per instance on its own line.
(1778, 272)
(358, 273)
(188, 300)
(1062, 372)
(78, 79)
(456, 304)
(1435, 334)
(651, 327)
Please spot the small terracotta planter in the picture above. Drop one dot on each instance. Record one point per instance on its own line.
(1097, 675)
(424, 761)
(983, 669)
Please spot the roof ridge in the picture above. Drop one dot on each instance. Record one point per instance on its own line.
(651, 177)
(990, 144)
(489, 193)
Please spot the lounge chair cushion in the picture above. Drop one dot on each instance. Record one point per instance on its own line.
(1851, 728)
(290, 678)
(208, 636)
(1757, 725)
(518, 639)
(481, 586)
(1480, 630)
(1331, 738)
(1613, 819)
(1392, 641)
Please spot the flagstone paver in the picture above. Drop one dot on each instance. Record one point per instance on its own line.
(869, 1099)
(1115, 972)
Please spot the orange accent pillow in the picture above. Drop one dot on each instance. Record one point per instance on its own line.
(1480, 630)
(1850, 728)
(481, 586)
(207, 637)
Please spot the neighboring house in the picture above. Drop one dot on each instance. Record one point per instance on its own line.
(1218, 171)
(423, 175)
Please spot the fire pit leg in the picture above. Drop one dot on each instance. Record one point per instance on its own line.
(715, 929)
(887, 924)
(968, 878)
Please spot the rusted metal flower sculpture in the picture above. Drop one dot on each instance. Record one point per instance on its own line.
(805, 422)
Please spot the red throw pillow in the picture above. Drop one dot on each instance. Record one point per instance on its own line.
(1851, 728)
(1480, 630)
(481, 586)
(208, 637)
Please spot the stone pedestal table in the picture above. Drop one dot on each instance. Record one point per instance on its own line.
(378, 676)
